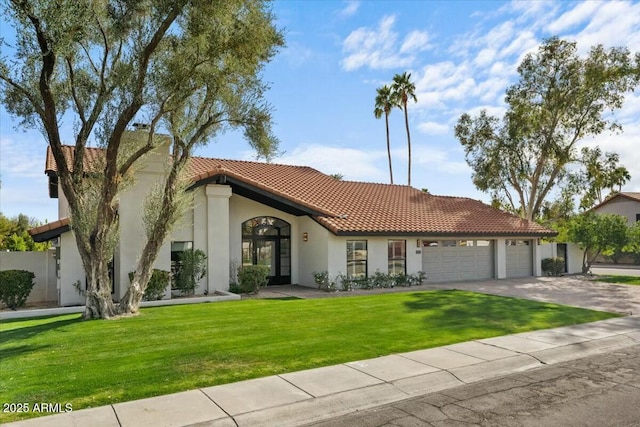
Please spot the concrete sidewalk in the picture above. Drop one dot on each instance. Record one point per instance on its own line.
(303, 397)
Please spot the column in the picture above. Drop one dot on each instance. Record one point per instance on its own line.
(501, 259)
(217, 237)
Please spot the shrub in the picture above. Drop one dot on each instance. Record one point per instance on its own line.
(417, 278)
(192, 266)
(15, 287)
(380, 280)
(322, 279)
(252, 277)
(157, 284)
(553, 266)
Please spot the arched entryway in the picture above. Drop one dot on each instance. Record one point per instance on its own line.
(267, 241)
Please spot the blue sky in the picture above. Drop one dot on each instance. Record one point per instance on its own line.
(462, 56)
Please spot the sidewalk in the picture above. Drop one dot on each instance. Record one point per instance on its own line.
(303, 397)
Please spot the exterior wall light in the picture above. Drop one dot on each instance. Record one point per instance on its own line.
(305, 237)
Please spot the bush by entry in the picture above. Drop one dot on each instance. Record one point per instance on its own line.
(177, 348)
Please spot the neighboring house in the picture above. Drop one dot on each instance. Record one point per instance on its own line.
(626, 204)
(298, 220)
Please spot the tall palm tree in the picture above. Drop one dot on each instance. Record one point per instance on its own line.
(404, 90)
(384, 105)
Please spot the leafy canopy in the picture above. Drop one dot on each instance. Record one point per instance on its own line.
(596, 234)
(559, 99)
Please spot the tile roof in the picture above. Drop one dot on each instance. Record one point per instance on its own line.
(631, 195)
(626, 194)
(349, 207)
(49, 230)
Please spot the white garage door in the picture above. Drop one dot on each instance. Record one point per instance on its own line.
(519, 258)
(451, 260)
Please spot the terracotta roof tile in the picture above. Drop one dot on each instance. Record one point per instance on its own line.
(350, 207)
(50, 226)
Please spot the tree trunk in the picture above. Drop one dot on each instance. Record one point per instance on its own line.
(130, 302)
(98, 301)
(406, 124)
(386, 118)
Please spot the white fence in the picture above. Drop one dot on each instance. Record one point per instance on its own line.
(43, 266)
(573, 256)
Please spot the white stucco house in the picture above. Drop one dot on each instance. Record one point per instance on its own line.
(298, 220)
(626, 204)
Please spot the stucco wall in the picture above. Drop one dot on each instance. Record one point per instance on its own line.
(42, 265)
(312, 254)
(132, 232)
(621, 206)
(71, 271)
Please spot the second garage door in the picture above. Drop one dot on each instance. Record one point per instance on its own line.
(451, 260)
(519, 257)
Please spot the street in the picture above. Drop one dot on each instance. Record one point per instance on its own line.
(601, 390)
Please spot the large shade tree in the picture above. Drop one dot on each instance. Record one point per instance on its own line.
(188, 68)
(383, 105)
(560, 99)
(404, 90)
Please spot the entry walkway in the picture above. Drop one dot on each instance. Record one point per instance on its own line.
(310, 396)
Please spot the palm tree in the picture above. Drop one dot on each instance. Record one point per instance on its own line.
(403, 90)
(384, 105)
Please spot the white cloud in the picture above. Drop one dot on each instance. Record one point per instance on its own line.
(581, 13)
(21, 160)
(415, 41)
(349, 9)
(438, 159)
(378, 48)
(433, 128)
(614, 24)
(354, 164)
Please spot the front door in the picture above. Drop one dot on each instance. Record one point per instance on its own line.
(267, 241)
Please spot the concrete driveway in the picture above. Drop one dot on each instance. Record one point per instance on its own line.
(579, 291)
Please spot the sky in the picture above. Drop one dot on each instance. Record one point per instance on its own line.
(462, 55)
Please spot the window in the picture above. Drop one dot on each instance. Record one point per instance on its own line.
(397, 257)
(357, 259)
(430, 243)
(449, 243)
(517, 242)
(176, 249)
(637, 217)
(483, 242)
(465, 242)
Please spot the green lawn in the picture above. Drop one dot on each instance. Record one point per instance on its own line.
(626, 280)
(169, 349)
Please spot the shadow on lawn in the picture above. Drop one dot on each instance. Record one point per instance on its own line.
(7, 353)
(19, 334)
(501, 314)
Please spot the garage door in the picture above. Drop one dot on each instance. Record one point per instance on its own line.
(519, 256)
(451, 260)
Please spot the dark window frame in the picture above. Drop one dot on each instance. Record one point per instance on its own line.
(393, 258)
(356, 261)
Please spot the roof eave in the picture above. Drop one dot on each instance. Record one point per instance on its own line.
(50, 234)
(253, 192)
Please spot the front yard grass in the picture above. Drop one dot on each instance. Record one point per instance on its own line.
(626, 280)
(62, 359)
